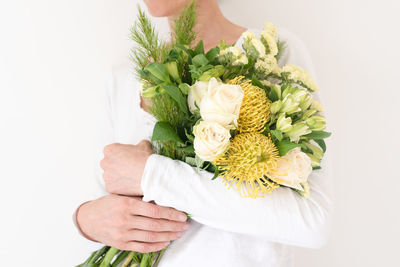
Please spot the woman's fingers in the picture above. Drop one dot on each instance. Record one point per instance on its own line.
(157, 225)
(150, 236)
(154, 211)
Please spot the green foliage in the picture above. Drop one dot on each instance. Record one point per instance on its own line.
(277, 134)
(149, 47)
(176, 94)
(163, 131)
(183, 29)
(317, 135)
(281, 48)
(285, 146)
(321, 143)
(158, 71)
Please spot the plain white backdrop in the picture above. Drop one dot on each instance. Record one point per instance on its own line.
(55, 55)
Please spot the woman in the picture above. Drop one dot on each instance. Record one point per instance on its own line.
(226, 229)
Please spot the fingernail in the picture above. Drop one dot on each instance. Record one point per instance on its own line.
(185, 226)
(182, 218)
(166, 243)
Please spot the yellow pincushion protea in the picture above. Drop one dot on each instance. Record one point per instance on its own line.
(255, 109)
(250, 158)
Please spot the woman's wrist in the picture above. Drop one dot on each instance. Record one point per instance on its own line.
(78, 223)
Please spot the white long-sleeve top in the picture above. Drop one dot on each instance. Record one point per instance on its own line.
(226, 229)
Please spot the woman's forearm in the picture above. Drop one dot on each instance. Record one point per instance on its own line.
(282, 216)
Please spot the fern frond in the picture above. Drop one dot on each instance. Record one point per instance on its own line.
(148, 47)
(183, 30)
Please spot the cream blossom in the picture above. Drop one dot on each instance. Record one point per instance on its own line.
(221, 103)
(271, 30)
(195, 94)
(293, 169)
(235, 54)
(298, 74)
(211, 140)
(252, 43)
(270, 42)
(266, 64)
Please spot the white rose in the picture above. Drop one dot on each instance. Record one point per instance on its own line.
(196, 93)
(211, 140)
(222, 103)
(294, 169)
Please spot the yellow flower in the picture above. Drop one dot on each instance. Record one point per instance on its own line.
(250, 159)
(298, 74)
(270, 43)
(255, 109)
(270, 29)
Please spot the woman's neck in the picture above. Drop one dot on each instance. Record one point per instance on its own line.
(212, 26)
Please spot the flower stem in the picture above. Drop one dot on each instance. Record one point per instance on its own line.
(128, 259)
(99, 253)
(159, 257)
(109, 257)
(145, 260)
(120, 258)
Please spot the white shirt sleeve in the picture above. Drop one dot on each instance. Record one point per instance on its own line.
(282, 216)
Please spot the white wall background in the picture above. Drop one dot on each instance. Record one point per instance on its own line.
(54, 56)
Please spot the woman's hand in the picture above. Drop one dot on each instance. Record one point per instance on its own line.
(123, 167)
(129, 223)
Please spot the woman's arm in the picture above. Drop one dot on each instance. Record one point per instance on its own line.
(282, 216)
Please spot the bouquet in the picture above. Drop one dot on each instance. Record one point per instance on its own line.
(229, 111)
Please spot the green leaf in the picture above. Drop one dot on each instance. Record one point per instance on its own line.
(191, 161)
(159, 71)
(199, 49)
(176, 94)
(212, 54)
(200, 60)
(163, 131)
(216, 173)
(285, 146)
(184, 87)
(256, 82)
(317, 135)
(277, 134)
(321, 143)
(316, 168)
(273, 96)
(189, 136)
(187, 149)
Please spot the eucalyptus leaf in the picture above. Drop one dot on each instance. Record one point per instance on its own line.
(163, 131)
